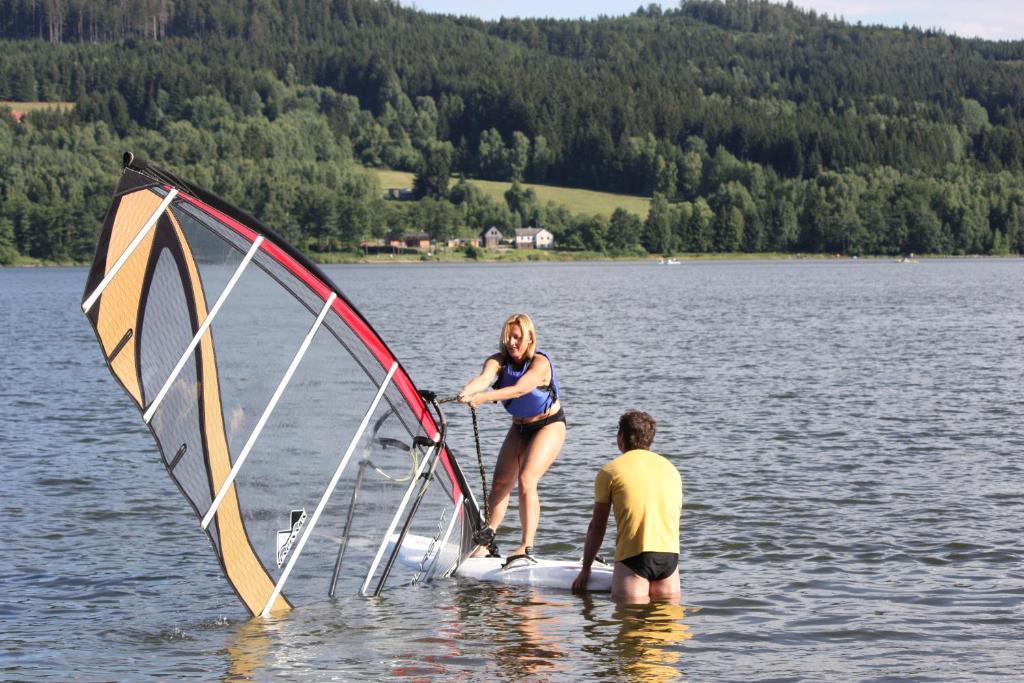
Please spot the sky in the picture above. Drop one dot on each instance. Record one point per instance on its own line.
(990, 19)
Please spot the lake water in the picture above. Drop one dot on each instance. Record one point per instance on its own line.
(849, 433)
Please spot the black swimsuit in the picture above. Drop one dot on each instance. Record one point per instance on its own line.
(653, 566)
(528, 429)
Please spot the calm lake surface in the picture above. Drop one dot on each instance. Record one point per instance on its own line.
(850, 436)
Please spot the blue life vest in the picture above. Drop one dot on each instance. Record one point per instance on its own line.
(537, 401)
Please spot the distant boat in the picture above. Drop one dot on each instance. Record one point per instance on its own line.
(669, 262)
(907, 259)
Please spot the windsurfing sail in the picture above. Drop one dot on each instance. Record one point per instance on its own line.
(295, 435)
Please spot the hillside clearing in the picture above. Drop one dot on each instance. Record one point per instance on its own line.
(577, 201)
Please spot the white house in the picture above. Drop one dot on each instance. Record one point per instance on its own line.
(534, 238)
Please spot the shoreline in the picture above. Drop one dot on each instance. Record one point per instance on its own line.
(344, 258)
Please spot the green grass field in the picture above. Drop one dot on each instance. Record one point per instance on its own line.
(577, 201)
(29, 107)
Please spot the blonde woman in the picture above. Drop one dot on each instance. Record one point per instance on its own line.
(524, 379)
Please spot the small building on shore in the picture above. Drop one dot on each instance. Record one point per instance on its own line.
(401, 193)
(461, 242)
(417, 240)
(491, 238)
(534, 238)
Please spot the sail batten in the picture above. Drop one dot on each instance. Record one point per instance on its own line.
(330, 490)
(274, 376)
(247, 449)
(148, 415)
(129, 250)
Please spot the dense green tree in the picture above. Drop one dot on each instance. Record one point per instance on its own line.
(434, 172)
(624, 230)
(728, 227)
(317, 214)
(734, 209)
(8, 249)
(440, 219)
(657, 235)
(681, 216)
(924, 231)
(518, 156)
(592, 232)
(700, 228)
(666, 176)
(691, 174)
(493, 157)
(541, 158)
(522, 201)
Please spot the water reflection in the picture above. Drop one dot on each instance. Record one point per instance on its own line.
(527, 629)
(641, 642)
(465, 631)
(528, 648)
(437, 656)
(249, 651)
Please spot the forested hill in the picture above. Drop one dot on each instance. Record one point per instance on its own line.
(755, 126)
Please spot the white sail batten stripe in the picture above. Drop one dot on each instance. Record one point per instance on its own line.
(132, 246)
(398, 514)
(268, 410)
(148, 415)
(448, 531)
(330, 489)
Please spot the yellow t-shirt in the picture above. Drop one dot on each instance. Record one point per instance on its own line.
(646, 493)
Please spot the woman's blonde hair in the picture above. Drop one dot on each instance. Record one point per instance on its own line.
(529, 333)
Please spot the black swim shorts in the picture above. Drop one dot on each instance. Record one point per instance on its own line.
(653, 566)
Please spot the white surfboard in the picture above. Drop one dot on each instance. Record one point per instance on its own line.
(543, 573)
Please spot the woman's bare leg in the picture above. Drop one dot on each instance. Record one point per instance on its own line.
(506, 470)
(542, 451)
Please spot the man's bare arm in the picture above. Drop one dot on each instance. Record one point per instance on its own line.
(595, 537)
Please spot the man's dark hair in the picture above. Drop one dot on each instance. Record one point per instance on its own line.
(637, 429)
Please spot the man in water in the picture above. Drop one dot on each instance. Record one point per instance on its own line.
(646, 492)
